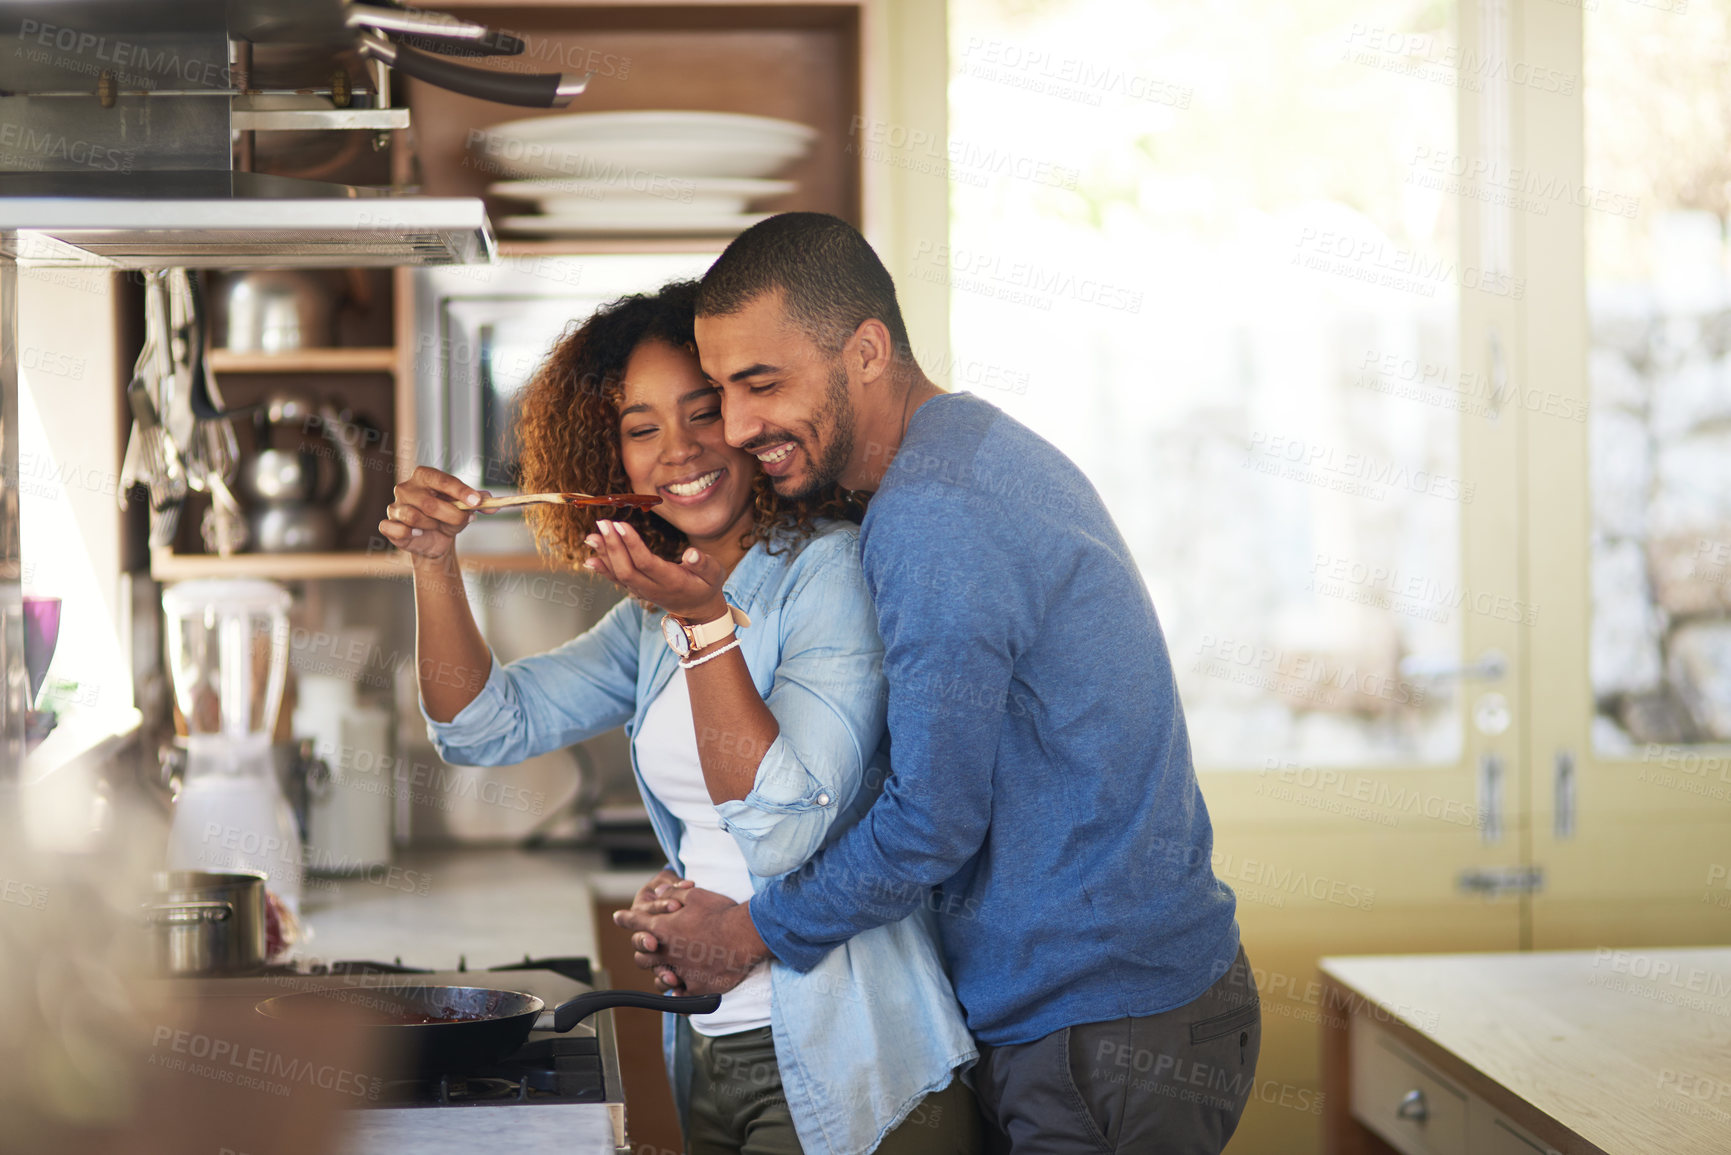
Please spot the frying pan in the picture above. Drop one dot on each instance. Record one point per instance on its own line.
(449, 1030)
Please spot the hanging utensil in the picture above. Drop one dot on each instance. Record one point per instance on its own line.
(135, 469)
(162, 455)
(214, 455)
(152, 456)
(161, 473)
(174, 405)
(224, 528)
(208, 451)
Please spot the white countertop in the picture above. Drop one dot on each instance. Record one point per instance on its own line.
(579, 1129)
(489, 905)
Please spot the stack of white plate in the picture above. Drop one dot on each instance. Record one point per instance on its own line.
(600, 173)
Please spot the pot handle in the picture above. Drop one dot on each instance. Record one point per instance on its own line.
(188, 913)
(573, 1011)
(349, 496)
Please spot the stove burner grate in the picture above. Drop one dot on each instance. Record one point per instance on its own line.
(548, 1070)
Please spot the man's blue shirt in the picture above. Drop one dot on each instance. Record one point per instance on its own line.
(1042, 781)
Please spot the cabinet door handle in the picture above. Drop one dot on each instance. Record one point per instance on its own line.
(1563, 803)
(1490, 798)
(1412, 1106)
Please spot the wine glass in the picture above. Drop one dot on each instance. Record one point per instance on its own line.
(41, 632)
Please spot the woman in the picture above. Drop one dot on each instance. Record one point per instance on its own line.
(757, 733)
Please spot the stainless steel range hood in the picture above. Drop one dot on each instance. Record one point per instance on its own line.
(158, 220)
(126, 132)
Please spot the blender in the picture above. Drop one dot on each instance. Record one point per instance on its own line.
(227, 647)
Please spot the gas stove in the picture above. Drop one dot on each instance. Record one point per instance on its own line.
(550, 1070)
(563, 1091)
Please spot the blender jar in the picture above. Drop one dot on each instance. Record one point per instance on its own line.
(227, 644)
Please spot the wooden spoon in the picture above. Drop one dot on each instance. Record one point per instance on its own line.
(624, 500)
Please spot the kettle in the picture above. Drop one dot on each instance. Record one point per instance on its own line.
(276, 310)
(303, 484)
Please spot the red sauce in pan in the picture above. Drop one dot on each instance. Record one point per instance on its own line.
(411, 1016)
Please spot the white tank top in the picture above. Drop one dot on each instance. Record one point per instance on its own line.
(667, 755)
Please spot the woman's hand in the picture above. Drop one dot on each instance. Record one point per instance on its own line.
(423, 520)
(658, 896)
(690, 589)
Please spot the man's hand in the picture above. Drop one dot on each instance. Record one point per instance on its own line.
(710, 942)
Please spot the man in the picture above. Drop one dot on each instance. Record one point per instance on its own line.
(1042, 801)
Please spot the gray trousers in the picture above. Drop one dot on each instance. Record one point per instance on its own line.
(737, 1106)
(1169, 1084)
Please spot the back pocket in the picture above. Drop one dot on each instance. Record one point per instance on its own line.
(1223, 1024)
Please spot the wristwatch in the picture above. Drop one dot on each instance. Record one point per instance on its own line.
(686, 639)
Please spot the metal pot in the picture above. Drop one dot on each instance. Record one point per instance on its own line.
(277, 310)
(208, 922)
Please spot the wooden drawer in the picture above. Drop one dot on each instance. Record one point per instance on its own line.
(1492, 1134)
(1384, 1077)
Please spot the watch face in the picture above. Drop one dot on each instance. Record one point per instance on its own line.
(675, 636)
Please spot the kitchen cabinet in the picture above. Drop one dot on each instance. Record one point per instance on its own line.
(1602, 1052)
(1629, 821)
(651, 1117)
(798, 61)
(1422, 1112)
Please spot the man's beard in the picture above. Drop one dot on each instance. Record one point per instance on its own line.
(836, 419)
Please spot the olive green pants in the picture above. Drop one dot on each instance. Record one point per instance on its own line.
(737, 1106)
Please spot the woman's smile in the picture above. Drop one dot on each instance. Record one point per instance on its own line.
(691, 490)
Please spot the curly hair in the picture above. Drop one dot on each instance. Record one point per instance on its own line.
(568, 435)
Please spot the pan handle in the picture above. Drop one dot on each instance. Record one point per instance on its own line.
(540, 90)
(573, 1011)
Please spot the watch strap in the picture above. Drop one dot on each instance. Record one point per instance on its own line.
(708, 633)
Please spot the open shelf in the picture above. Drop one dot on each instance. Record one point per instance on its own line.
(798, 61)
(166, 566)
(378, 360)
(592, 246)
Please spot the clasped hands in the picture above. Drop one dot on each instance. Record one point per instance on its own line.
(696, 941)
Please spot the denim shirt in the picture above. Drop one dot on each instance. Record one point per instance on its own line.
(865, 1034)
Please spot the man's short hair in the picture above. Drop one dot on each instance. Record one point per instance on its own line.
(831, 280)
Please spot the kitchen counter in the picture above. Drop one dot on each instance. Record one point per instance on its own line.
(1603, 1052)
(572, 1131)
(430, 907)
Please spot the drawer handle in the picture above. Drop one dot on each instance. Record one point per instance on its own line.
(1413, 1107)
